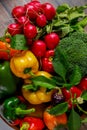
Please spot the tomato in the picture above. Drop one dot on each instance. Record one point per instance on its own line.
(41, 20)
(39, 48)
(30, 31)
(18, 11)
(14, 29)
(52, 39)
(48, 10)
(83, 84)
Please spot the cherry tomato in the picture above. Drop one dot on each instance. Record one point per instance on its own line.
(18, 11)
(39, 48)
(14, 29)
(48, 10)
(47, 61)
(52, 40)
(83, 84)
(30, 31)
(41, 20)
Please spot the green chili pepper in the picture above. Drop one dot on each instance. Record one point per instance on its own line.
(13, 108)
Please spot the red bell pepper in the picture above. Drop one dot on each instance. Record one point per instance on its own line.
(47, 61)
(32, 123)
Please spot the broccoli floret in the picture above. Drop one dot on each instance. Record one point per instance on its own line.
(75, 49)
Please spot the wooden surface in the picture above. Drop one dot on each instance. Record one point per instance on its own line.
(6, 18)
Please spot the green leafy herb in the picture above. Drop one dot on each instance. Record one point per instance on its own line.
(74, 122)
(59, 109)
(18, 42)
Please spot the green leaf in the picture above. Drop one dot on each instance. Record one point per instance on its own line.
(18, 42)
(62, 8)
(44, 82)
(60, 64)
(84, 95)
(76, 76)
(59, 109)
(30, 87)
(74, 122)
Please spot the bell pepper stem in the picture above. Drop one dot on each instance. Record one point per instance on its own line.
(25, 126)
(20, 111)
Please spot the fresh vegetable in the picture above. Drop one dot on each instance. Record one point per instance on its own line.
(51, 40)
(18, 11)
(37, 97)
(24, 64)
(8, 82)
(73, 48)
(41, 20)
(83, 84)
(71, 95)
(6, 52)
(14, 108)
(46, 61)
(39, 48)
(32, 123)
(14, 28)
(30, 31)
(53, 122)
(35, 94)
(48, 10)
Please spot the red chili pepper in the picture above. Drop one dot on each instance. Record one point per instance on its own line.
(32, 123)
(47, 61)
(74, 92)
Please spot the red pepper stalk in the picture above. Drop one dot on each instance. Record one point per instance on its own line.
(32, 123)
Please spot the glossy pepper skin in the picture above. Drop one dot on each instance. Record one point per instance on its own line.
(8, 82)
(39, 96)
(32, 123)
(24, 64)
(52, 121)
(6, 52)
(14, 108)
(47, 61)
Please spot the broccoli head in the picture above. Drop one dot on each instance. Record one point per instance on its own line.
(75, 49)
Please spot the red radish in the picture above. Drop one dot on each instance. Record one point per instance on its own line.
(18, 11)
(41, 20)
(31, 11)
(30, 31)
(14, 29)
(39, 48)
(52, 40)
(23, 20)
(48, 10)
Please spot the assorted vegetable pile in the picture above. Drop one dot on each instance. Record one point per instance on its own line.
(43, 67)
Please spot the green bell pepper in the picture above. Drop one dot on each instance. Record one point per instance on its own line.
(8, 82)
(14, 108)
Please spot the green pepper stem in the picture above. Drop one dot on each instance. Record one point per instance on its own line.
(25, 126)
(20, 111)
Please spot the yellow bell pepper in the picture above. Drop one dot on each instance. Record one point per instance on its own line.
(39, 96)
(24, 64)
